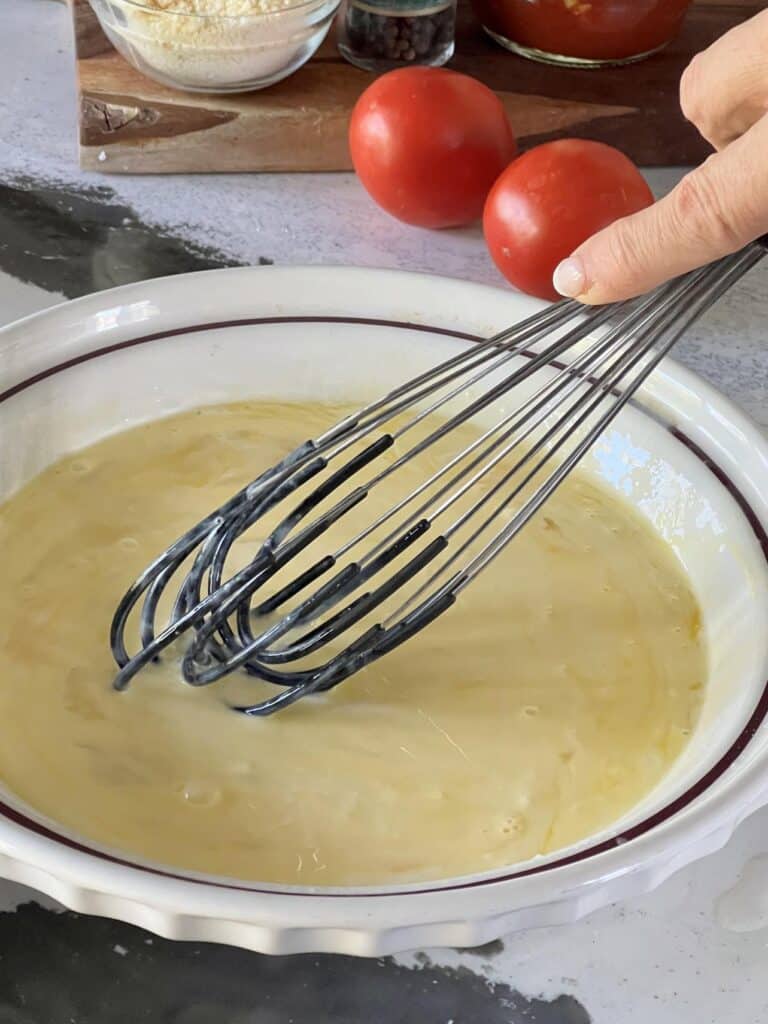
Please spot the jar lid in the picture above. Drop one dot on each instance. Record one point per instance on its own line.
(401, 8)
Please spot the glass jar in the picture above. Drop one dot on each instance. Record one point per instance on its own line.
(379, 35)
(587, 33)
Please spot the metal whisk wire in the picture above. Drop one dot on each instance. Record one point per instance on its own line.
(613, 350)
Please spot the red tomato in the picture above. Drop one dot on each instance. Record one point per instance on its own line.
(552, 199)
(428, 143)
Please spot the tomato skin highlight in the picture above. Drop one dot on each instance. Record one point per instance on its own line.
(550, 200)
(428, 144)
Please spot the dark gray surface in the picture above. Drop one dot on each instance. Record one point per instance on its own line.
(80, 242)
(70, 969)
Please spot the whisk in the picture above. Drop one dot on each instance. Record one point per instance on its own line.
(304, 614)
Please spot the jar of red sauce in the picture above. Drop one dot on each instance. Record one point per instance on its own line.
(582, 32)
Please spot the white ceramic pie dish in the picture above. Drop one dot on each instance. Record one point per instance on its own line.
(688, 460)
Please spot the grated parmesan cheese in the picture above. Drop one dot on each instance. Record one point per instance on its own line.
(218, 44)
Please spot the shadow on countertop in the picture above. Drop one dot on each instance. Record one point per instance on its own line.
(65, 968)
(80, 241)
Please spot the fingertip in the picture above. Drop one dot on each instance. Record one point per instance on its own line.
(570, 278)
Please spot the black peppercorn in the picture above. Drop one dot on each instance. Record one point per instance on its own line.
(378, 37)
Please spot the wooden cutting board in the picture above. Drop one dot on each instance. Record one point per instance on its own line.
(130, 124)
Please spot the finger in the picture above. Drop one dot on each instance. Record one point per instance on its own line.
(715, 210)
(724, 90)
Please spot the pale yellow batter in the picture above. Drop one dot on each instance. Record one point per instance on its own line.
(534, 714)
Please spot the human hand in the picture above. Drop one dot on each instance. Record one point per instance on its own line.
(714, 210)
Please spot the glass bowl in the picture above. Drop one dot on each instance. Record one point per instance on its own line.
(573, 32)
(213, 52)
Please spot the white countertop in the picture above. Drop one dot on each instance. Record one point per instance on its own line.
(665, 958)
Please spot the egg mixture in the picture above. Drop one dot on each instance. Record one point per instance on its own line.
(550, 701)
